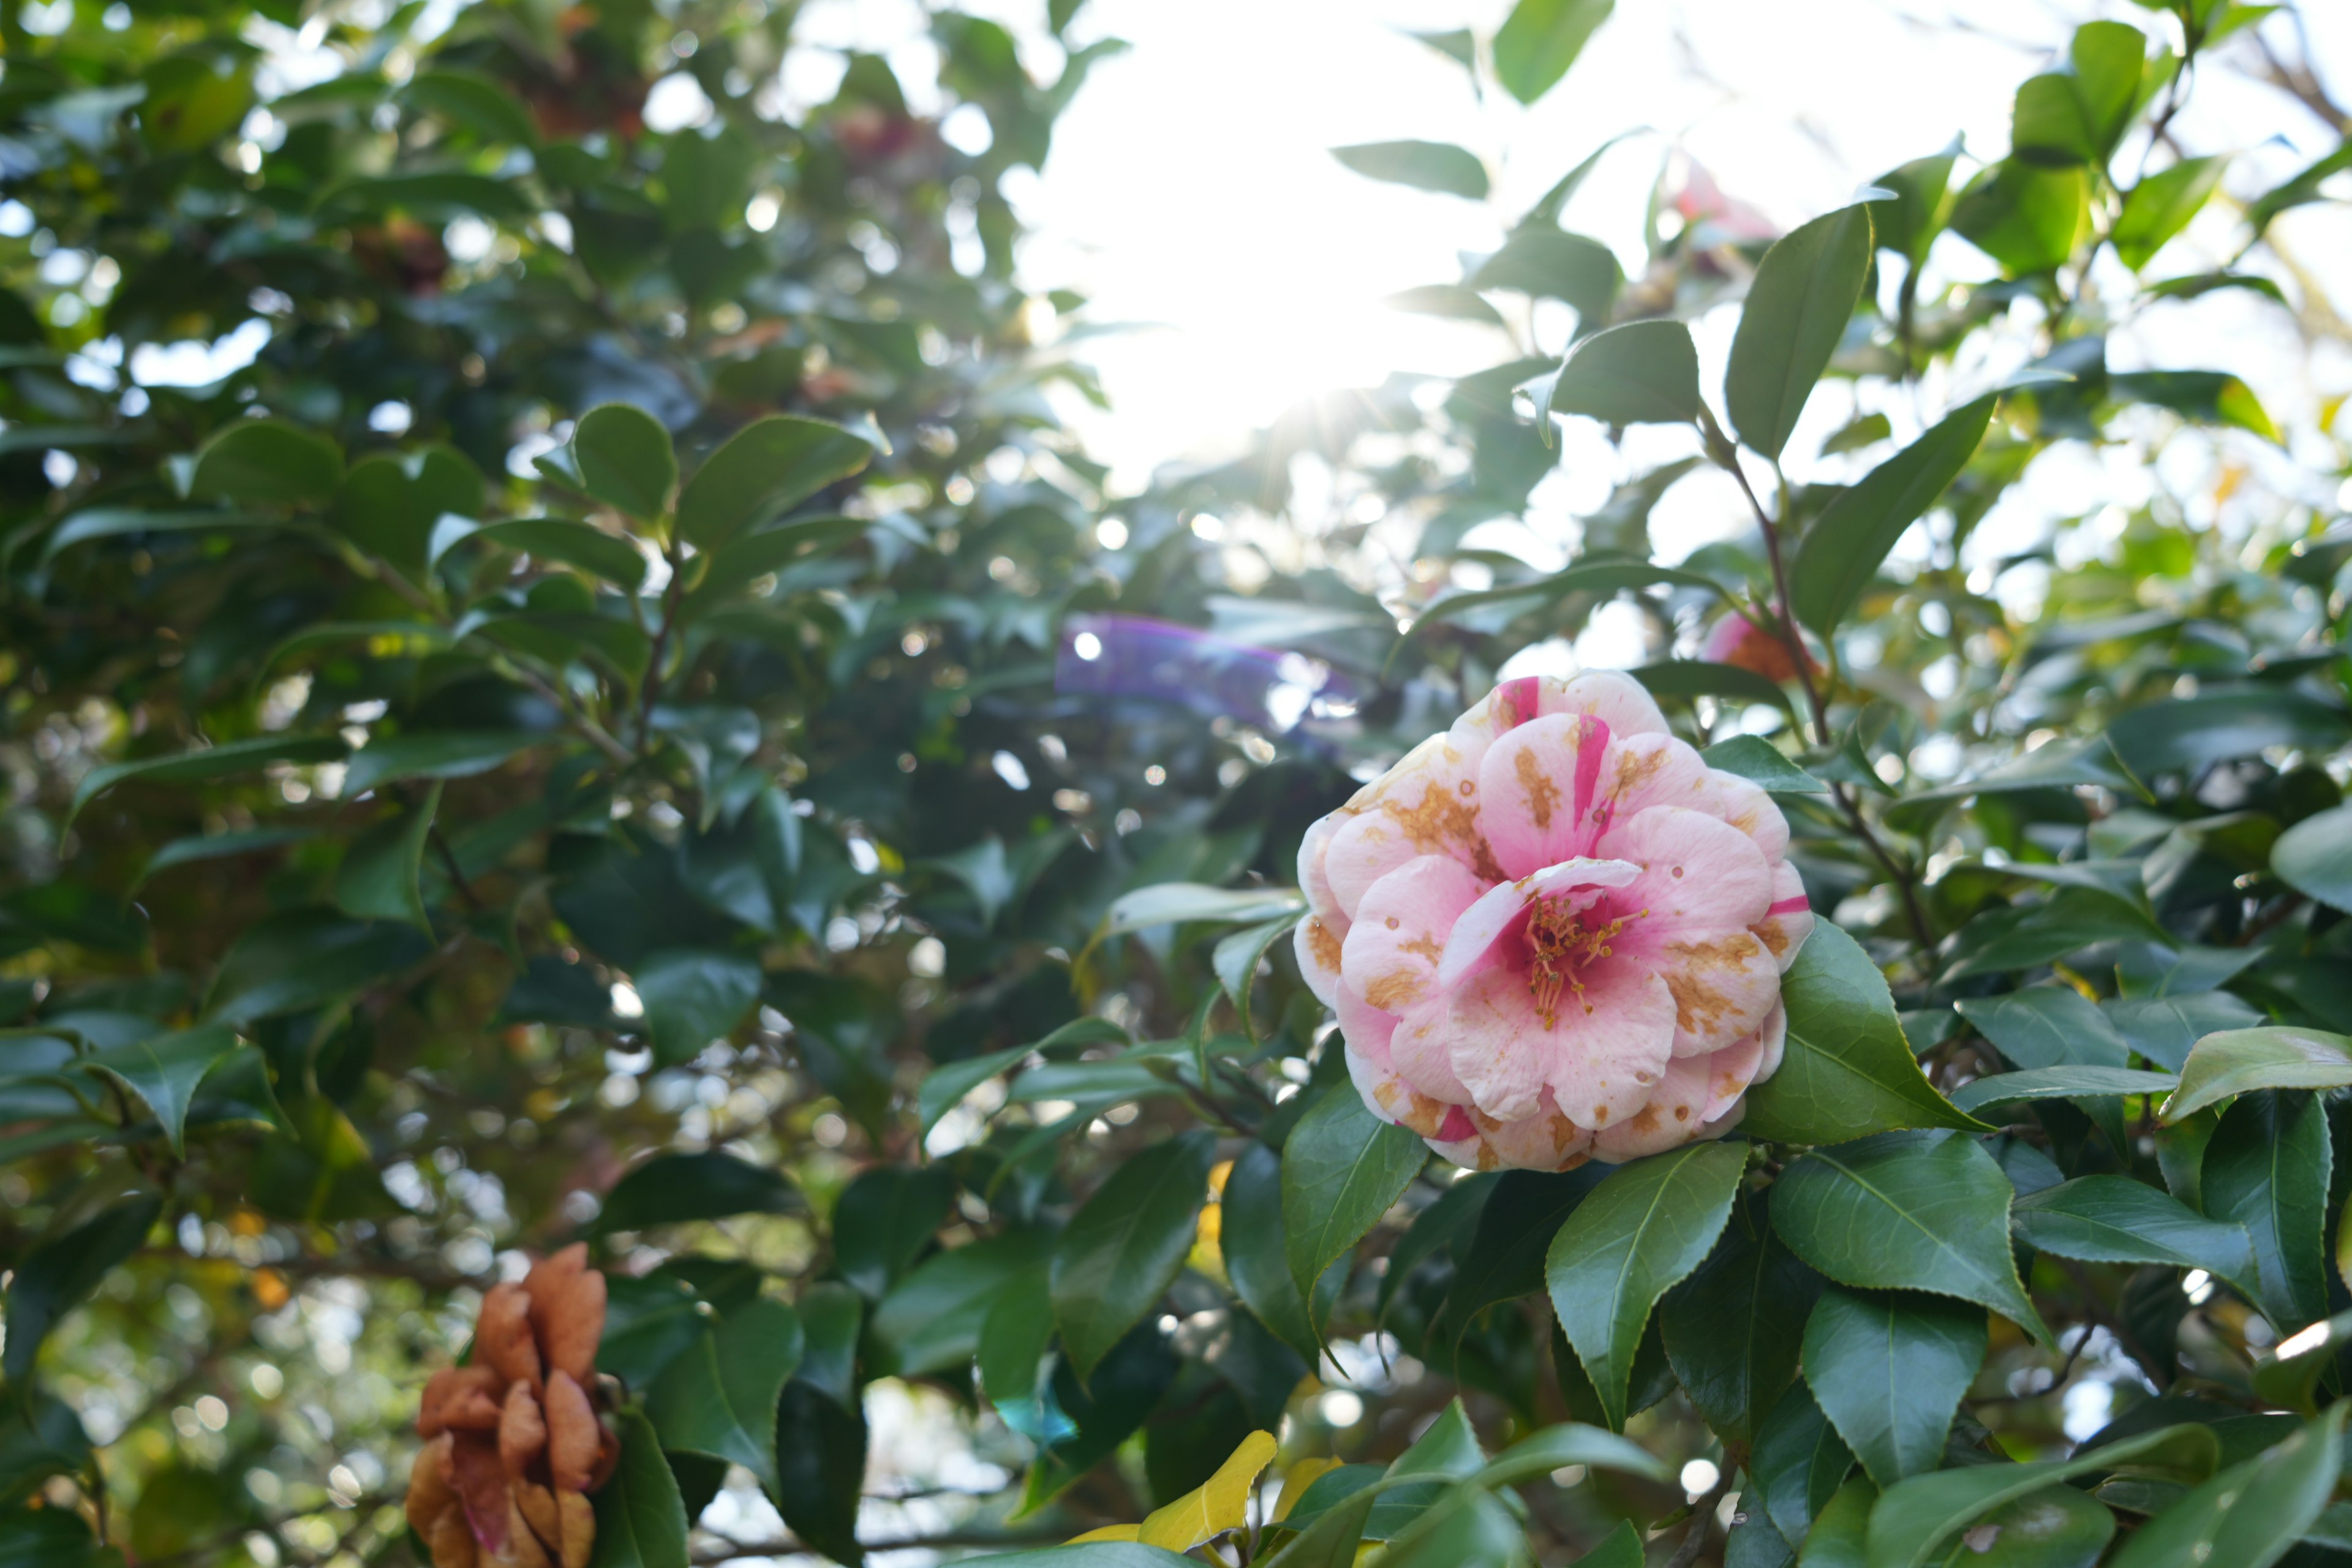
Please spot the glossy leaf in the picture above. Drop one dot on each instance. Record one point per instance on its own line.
(446, 754)
(223, 761)
(2251, 1513)
(884, 1220)
(1843, 549)
(268, 463)
(670, 1189)
(1890, 1369)
(1640, 372)
(718, 1396)
(1424, 165)
(1798, 1463)
(1803, 294)
(577, 545)
(1540, 40)
(2267, 1169)
(624, 457)
(2236, 1061)
(1548, 263)
(1912, 1518)
(60, 1273)
(2161, 206)
(693, 997)
(2315, 858)
(1251, 1240)
(2058, 1083)
(2046, 1027)
(1756, 760)
(764, 469)
(2114, 1219)
(1921, 1211)
(1126, 1244)
(820, 1469)
(2026, 218)
(378, 878)
(1733, 1329)
(165, 1072)
(1342, 1167)
(1636, 1235)
(1848, 1071)
(1219, 1504)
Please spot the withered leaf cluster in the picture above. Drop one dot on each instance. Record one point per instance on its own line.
(514, 1440)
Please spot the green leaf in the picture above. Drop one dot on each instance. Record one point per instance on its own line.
(1922, 204)
(60, 1275)
(2299, 191)
(579, 544)
(718, 1396)
(946, 1085)
(1446, 299)
(2165, 1030)
(2161, 206)
(211, 762)
(1919, 1210)
(1341, 1169)
(1843, 549)
(2058, 1083)
(165, 1071)
(640, 1517)
(1912, 1518)
(1733, 1329)
(268, 463)
(475, 101)
(390, 505)
(434, 754)
(2114, 1219)
(670, 1189)
(2057, 765)
(1446, 1223)
(1803, 295)
(1258, 1260)
(2238, 1060)
(624, 460)
(301, 958)
(747, 557)
(2210, 396)
(885, 1219)
(2251, 1514)
(1540, 40)
(1178, 903)
(1687, 678)
(767, 468)
(2185, 733)
(1640, 372)
(937, 1318)
(691, 998)
(1121, 1554)
(2315, 858)
(2109, 60)
(1424, 165)
(1329, 1539)
(2026, 218)
(1125, 1245)
(117, 522)
(1504, 1258)
(1848, 1071)
(1798, 1463)
(2047, 1026)
(377, 879)
(1839, 1535)
(1756, 760)
(2267, 1169)
(1467, 1529)
(1570, 1443)
(1637, 1235)
(1235, 959)
(1546, 264)
(1890, 1368)
(1621, 1548)
(1590, 576)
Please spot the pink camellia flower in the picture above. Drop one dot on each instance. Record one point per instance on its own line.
(1735, 639)
(1553, 933)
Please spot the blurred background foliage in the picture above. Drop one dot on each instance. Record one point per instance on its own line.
(435, 834)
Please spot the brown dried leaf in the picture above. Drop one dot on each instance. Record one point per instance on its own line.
(574, 1439)
(522, 1431)
(502, 1336)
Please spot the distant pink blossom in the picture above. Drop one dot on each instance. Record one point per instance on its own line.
(1735, 639)
(1553, 933)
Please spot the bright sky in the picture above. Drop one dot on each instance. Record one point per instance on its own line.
(1192, 185)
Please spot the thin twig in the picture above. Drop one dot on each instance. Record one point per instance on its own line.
(1702, 1524)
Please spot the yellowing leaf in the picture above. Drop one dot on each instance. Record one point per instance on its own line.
(1221, 1503)
(1108, 1532)
(1306, 1472)
(1217, 1174)
(1208, 1256)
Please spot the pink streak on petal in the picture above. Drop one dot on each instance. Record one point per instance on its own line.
(1456, 1126)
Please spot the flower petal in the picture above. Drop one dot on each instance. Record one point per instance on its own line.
(1391, 956)
(1363, 1028)
(1536, 788)
(1431, 796)
(1319, 942)
(1470, 946)
(1366, 848)
(1698, 872)
(1607, 1048)
(1789, 920)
